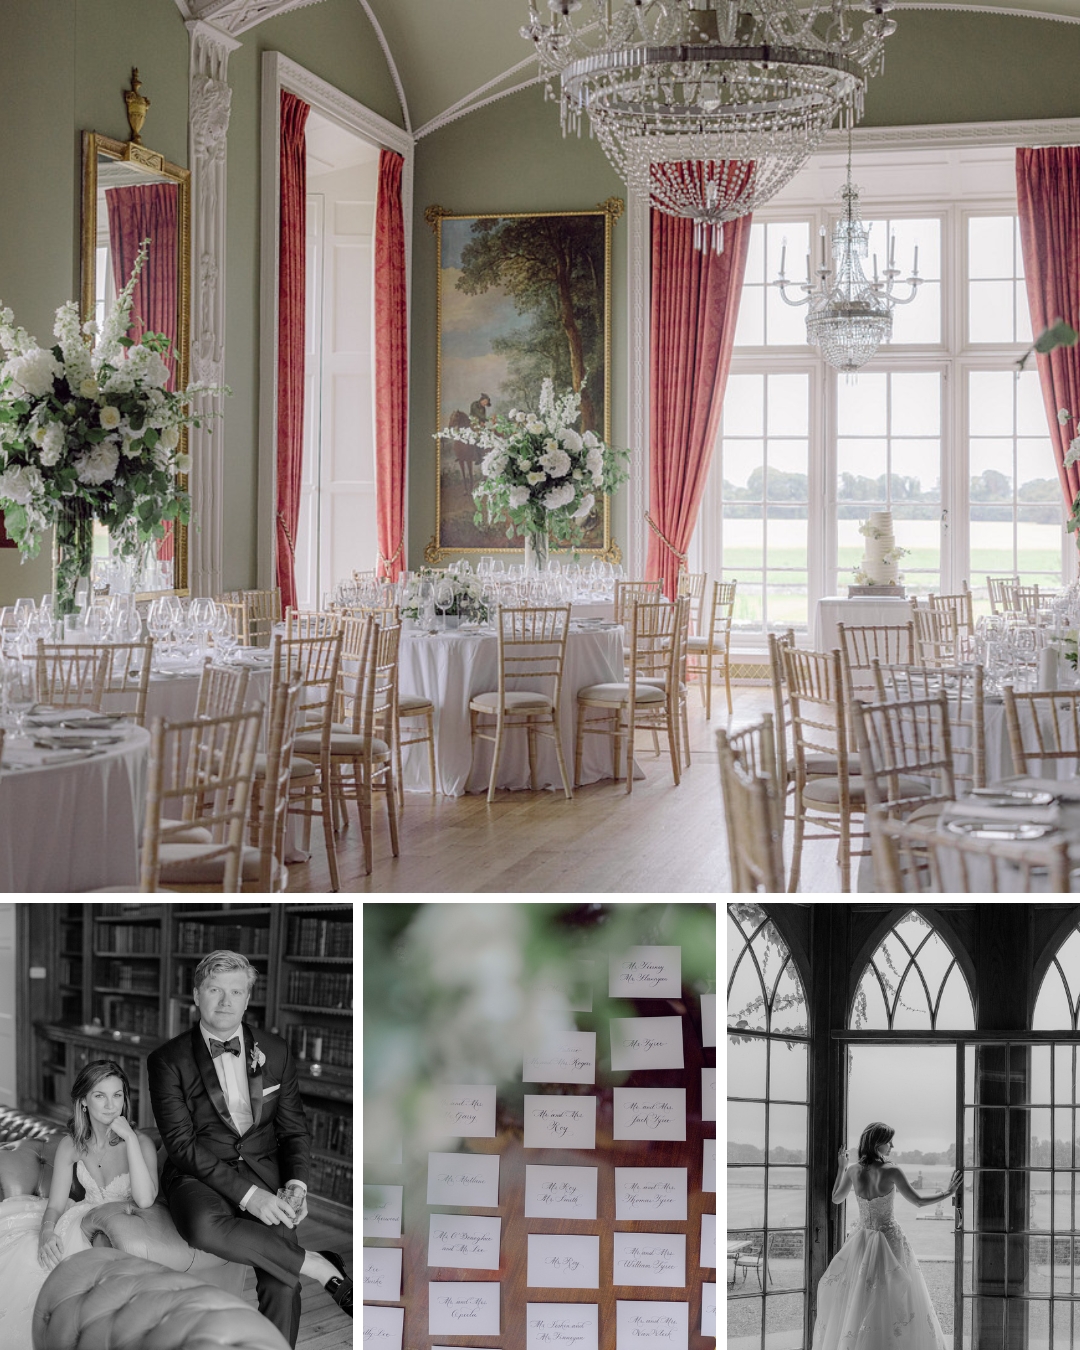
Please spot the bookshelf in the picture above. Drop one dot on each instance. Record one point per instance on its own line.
(125, 976)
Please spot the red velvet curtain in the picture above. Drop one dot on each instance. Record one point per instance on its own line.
(1048, 195)
(292, 243)
(147, 211)
(695, 304)
(391, 365)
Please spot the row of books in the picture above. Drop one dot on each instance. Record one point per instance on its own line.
(321, 1045)
(330, 1132)
(319, 989)
(70, 970)
(118, 1014)
(127, 939)
(120, 975)
(331, 1179)
(319, 937)
(199, 939)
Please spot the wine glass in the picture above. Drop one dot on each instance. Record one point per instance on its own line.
(226, 638)
(159, 621)
(20, 692)
(426, 601)
(444, 598)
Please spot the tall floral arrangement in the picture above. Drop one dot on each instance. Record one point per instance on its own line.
(90, 432)
(541, 476)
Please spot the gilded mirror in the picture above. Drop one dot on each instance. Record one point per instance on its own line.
(130, 193)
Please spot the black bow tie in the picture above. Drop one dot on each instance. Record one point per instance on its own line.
(220, 1047)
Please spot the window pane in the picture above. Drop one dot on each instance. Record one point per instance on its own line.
(788, 479)
(861, 406)
(919, 322)
(990, 402)
(746, 1067)
(745, 1197)
(746, 998)
(1030, 408)
(787, 1070)
(787, 1197)
(1052, 1005)
(750, 327)
(785, 325)
(744, 406)
(990, 311)
(787, 1133)
(916, 403)
(743, 539)
(744, 1314)
(787, 1261)
(861, 467)
(783, 1321)
(789, 411)
(990, 246)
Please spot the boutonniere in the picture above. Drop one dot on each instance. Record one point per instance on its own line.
(257, 1060)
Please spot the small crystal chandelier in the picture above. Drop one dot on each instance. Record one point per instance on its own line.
(707, 108)
(850, 316)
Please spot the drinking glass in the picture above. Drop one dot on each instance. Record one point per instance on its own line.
(444, 598)
(20, 692)
(426, 598)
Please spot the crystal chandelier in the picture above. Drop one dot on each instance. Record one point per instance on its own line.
(707, 108)
(850, 316)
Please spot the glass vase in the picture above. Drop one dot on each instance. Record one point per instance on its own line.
(73, 552)
(536, 552)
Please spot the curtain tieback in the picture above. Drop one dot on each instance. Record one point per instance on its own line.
(389, 562)
(287, 533)
(665, 540)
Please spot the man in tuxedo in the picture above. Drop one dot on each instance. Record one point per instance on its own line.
(228, 1106)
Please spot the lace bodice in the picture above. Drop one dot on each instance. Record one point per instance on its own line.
(117, 1189)
(877, 1213)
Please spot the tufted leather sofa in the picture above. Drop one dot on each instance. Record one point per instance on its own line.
(104, 1297)
(26, 1169)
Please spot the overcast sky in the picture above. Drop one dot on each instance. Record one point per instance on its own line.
(911, 1088)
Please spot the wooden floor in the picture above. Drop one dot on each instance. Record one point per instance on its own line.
(323, 1326)
(660, 839)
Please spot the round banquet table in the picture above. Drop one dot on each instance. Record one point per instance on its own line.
(451, 668)
(73, 824)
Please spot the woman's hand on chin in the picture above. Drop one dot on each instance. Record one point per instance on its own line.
(122, 1127)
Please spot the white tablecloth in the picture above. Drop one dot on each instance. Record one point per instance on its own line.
(450, 668)
(74, 826)
(861, 609)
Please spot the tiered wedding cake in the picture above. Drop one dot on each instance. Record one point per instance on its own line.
(880, 563)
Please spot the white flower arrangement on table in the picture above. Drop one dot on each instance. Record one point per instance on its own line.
(468, 595)
(540, 474)
(92, 425)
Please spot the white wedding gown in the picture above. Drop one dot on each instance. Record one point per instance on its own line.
(21, 1274)
(873, 1294)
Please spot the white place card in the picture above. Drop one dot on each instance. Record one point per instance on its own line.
(569, 988)
(382, 1211)
(708, 1019)
(649, 1113)
(560, 1192)
(650, 1258)
(561, 1122)
(463, 1179)
(708, 1094)
(562, 1326)
(646, 1043)
(464, 1241)
(463, 1110)
(561, 1261)
(646, 972)
(708, 1242)
(383, 1328)
(708, 1165)
(570, 1058)
(457, 1308)
(645, 1326)
(650, 1192)
(708, 1309)
(382, 1274)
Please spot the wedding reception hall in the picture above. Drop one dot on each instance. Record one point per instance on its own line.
(500, 446)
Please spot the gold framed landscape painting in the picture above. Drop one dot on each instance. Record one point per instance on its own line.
(521, 298)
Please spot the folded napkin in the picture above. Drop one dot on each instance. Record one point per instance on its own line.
(972, 808)
(1064, 789)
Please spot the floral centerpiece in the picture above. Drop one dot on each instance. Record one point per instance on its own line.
(541, 476)
(468, 595)
(90, 433)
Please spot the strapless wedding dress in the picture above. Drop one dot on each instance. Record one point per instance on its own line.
(21, 1275)
(873, 1294)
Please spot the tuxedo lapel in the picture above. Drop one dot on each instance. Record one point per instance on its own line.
(255, 1084)
(210, 1078)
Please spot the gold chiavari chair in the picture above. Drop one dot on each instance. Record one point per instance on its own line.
(193, 835)
(273, 781)
(819, 727)
(317, 661)
(692, 585)
(648, 700)
(913, 858)
(71, 675)
(999, 590)
(1026, 601)
(312, 623)
(362, 742)
(626, 592)
(713, 646)
(962, 611)
(963, 690)
(906, 756)
(260, 612)
(753, 807)
(1044, 729)
(222, 690)
(862, 644)
(532, 648)
(127, 679)
(935, 636)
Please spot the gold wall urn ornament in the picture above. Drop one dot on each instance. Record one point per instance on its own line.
(137, 105)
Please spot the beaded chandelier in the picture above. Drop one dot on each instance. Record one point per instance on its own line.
(709, 107)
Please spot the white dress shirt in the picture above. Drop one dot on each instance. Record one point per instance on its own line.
(231, 1073)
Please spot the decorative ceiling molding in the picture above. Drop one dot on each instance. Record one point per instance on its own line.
(992, 9)
(237, 16)
(389, 55)
(468, 105)
(957, 135)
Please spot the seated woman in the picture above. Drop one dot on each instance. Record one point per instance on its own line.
(101, 1157)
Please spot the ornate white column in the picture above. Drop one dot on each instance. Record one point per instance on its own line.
(637, 350)
(210, 99)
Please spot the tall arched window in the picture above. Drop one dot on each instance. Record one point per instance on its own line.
(768, 1062)
(911, 982)
(1058, 1004)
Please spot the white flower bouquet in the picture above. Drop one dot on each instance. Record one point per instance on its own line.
(90, 433)
(468, 595)
(540, 474)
